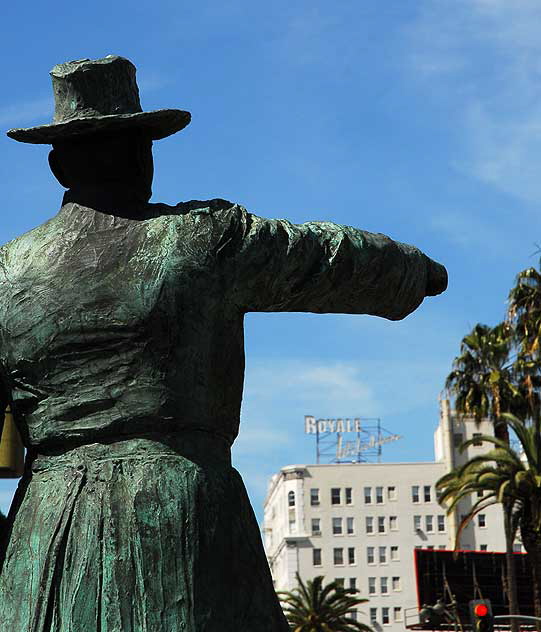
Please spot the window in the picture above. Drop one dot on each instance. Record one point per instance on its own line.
(441, 522)
(352, 614)
(394, 554)
(316, 557)
(441, 547)
(316, 526)
(416, 523)
(483, 547)
(338, 557)
(353, 582)
(382, 554)
(482, 520)
(369, 524)
(385, 616)
(517, 547)
(476, 440)
(381, 524)
(367, 495)
(480, 493)
(350, 526)
(415, 494)
(349, 496)
(291, 499)
(292, 525)
(337, 526)
(429, 523)
(397, 613)
(430, 547)
(370, 555)
(393, 523)
(373, 614)
(395, 583)
(427, 493)
(384, 588)
(457, 439)
(335, 496)
(351, 555)
(391, 492)
(379, 495)
(371, 585)
(314, 497)
(339, 581)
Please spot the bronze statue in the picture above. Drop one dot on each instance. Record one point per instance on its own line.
(122, 358)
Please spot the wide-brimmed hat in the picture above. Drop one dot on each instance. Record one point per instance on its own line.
(99, 95)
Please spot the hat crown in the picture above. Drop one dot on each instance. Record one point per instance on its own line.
(87, 88)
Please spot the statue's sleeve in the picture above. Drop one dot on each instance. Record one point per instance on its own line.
(324, 267)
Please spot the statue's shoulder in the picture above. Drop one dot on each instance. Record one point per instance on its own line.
(195, 208)
(28, 239)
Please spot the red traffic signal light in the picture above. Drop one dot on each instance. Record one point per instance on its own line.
(481, 616)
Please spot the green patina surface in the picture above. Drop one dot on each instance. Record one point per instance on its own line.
(121, 342)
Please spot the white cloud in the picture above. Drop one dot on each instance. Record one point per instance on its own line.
(483, 57)
(495, 235)
(317, 385)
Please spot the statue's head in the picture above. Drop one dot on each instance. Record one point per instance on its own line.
(100, 134)
(120, 162)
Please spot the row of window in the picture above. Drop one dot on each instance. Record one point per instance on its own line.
(429, 523)
(381, 524)
(340, 526)
(337, 498)
(372, 495)
(481, 519)
(338, 556)
(385, 615)
(395, 585)
(382, 556)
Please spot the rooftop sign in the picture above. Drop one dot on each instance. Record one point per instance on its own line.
(313, 426)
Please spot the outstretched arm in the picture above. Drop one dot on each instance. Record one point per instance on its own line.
(324, 267)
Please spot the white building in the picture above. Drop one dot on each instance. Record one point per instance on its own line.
(360, 523)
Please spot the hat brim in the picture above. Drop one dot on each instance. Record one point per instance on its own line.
(158, 123)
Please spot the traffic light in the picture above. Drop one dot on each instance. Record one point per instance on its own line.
(481, 617)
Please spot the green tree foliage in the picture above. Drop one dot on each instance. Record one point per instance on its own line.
(482, 380)
(498, 371)
(505, 476)
(315, 607)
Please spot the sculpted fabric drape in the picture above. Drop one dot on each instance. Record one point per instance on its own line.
(122, 342)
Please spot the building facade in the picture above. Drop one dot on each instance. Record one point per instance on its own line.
(359, 523)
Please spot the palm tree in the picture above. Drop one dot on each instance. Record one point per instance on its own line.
(484, 385)
(507, 477)
(482, 379)
(524, 319)
(313, 607)
(525, 311)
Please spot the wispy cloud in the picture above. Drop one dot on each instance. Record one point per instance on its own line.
(483, 58)
(25, 113)
(328, 387)
(494, 235)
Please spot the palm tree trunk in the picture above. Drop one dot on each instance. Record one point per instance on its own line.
(532, 544)
(535, 564)
(510, 567)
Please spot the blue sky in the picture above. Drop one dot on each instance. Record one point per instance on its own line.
(419, 119)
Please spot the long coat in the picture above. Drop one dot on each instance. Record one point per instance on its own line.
(121, 341)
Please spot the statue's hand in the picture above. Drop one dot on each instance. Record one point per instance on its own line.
(436, 278)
